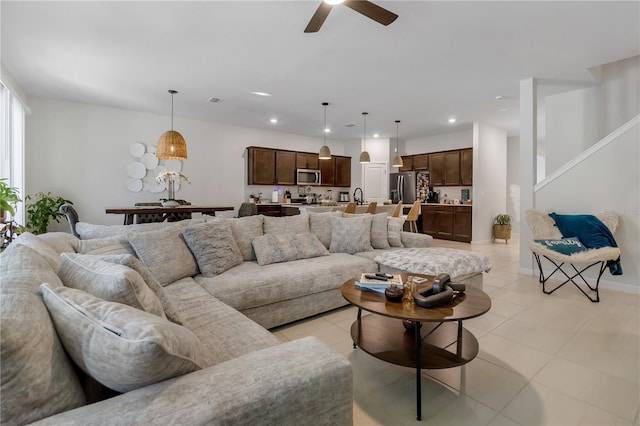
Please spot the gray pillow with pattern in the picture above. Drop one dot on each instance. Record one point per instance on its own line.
(394, 227)
(320, 226)
(284, 248)
(213, 246)
(287, 224)
(351, 234)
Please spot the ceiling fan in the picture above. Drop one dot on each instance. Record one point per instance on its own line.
(364, 7)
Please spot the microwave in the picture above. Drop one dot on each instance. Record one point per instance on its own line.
(308, 177)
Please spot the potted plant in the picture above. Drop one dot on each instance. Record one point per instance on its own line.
(502, 227)
(9, 198)
(43, 208)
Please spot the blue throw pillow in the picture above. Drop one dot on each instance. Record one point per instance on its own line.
(566, 246)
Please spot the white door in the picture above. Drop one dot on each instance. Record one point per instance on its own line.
(375, 183)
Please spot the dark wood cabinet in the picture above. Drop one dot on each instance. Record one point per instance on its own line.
(327, 168)
(342, 172)
(262, 170)
(466, 166)
(285, 168)
(436, 168)
(447, 222)
(420, 162)
(407, 163)
(306, 160)
(451, 167)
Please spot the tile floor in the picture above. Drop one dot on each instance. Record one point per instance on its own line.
(544, 359)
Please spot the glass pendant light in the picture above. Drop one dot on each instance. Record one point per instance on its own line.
(171, 145)
(397, 160)
(325, 152)
(364, 155)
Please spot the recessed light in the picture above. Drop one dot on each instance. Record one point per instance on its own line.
(350, 125)
(261, 93)
(376, 135)
(452, 120)
(215, 100)
(499, 98)
(327, 130)
(273, 120)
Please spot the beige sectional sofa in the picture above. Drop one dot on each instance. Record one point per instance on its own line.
(167, 323)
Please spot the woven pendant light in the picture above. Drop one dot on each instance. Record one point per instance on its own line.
(171, 145)
(397, 160)
(364, 155)
(325, 152)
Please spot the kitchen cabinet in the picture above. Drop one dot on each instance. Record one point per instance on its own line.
(262, 166)
(451, 166)
(270, 166)
(285, 168)
(306, 160)
(466, 166)
(327, 168)
(407, 163)
(342, 172)
(436, 168)
(420, 162)
(447, 222)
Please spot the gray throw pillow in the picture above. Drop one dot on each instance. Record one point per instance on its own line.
(119, 346)
(213, 246)
(394, 227)
(284, 248)
(244, 229)
(165, 253)
(136, 264)
(379, 229)
(351, 234)
(286, 225)
(320, 226)
(108, 281)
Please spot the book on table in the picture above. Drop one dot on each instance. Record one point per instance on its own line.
(379, 283)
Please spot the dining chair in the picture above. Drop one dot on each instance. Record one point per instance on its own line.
(149, 217)
(397, 210)
(412, 216)
(351, 208)
(372, 207)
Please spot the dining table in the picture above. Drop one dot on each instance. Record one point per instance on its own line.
(130, 212)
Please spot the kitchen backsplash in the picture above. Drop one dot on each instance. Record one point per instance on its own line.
(453, 192)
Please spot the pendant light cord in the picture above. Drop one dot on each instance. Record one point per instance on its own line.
(364, 135)
(324, 129)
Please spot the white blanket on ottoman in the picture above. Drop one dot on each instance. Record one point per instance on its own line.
(434, 261)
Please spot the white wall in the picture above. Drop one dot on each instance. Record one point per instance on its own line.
(513, 182)
(489, 179)
(80, 152)
(444, 142)
(577, 119)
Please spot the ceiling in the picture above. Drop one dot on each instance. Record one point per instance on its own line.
(437, 60)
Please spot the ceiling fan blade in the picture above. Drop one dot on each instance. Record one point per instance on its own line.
(318, 18)
(371, 10)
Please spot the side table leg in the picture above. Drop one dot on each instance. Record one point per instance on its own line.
(459, 340)
(359, 324)
(418, 326)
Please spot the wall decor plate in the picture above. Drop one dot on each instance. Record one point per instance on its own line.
(137, 149)
(149, 160)
(136, 170)
(134, 185)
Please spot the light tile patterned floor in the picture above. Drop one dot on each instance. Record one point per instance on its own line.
(544, 359)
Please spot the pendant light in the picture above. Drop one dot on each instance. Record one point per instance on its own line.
(325, 152)
(364, 155)
(397, 160)
(171, 145)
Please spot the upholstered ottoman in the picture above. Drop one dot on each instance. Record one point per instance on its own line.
(463, 266)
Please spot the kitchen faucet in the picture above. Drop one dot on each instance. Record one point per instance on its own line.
(356, 199)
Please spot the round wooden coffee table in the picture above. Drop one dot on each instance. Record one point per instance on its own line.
(438, 339)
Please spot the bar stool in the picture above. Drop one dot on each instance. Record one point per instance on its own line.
(413, 215)
(372, 207)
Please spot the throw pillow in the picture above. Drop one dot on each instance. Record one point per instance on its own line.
(284, 248)
(165, 253)
(244, 229)
(136, 264)
(320, 226)
(213, 246)
(379, 229)
(112, 245)
(33, 241)
(566, 246)
(108, 281)
(394, 227)
(351, 235)
(286, 225)
(121, 347)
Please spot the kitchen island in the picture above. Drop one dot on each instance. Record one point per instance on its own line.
(447, 221)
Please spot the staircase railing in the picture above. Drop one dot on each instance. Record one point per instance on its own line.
(588, 152)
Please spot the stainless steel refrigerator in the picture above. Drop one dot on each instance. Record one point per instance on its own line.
(403, 187)
(409, 186)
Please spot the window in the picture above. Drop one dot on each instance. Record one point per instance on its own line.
(12, 119)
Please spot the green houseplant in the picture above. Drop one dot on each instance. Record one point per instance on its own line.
(502, 227)
(41, 209)
(9, 198)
